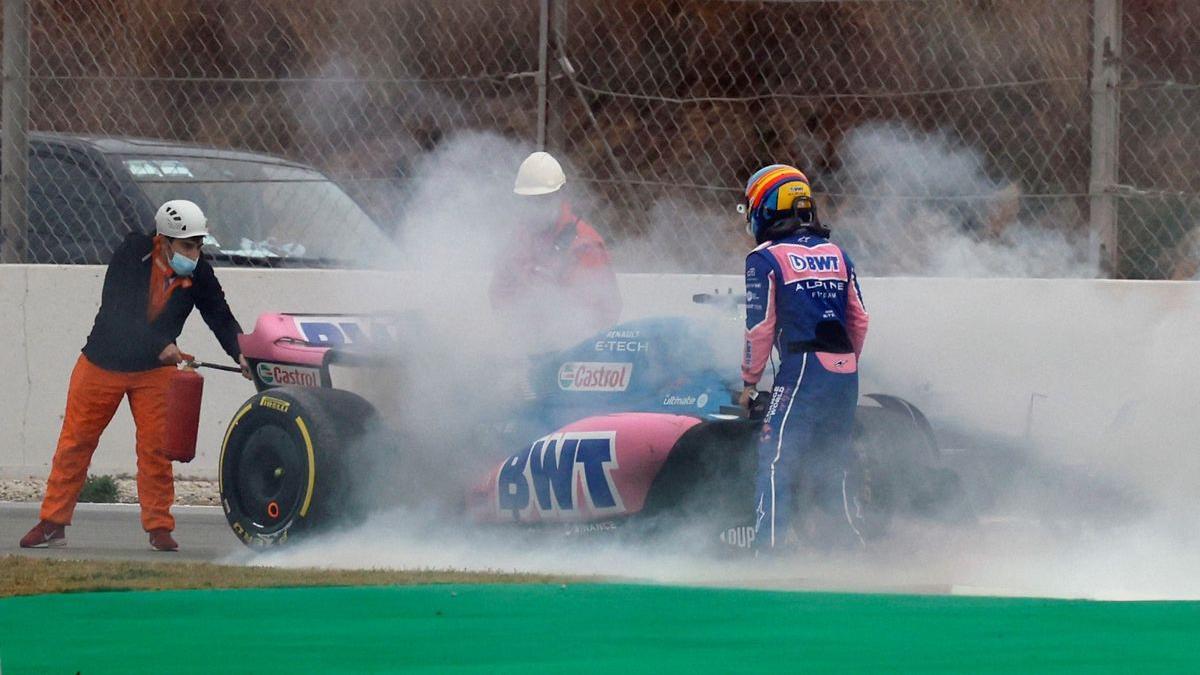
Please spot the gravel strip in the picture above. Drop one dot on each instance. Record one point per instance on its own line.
(188, 491)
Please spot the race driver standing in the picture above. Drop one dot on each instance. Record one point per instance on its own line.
(803, 299)
(150, 287)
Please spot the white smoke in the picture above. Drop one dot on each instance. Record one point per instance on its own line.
(464, 361)
(921, 205)
(1089, 497)
(682, 236)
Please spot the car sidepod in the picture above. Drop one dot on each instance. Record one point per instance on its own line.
(595, 469)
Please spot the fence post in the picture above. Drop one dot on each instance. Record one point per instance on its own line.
(557, 24)
(14, 144)
(1106, 76)
(542, 75)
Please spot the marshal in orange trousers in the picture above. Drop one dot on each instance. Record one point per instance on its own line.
(92, 400)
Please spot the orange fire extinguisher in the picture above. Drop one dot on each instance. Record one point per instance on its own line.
(183, 413)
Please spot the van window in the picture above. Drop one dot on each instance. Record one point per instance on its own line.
(266, 211)
(72, 215)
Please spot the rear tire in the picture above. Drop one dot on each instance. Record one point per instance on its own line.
(903, 473)
(292, 461)
(708, 477)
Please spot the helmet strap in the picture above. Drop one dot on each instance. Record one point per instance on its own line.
(810, 220)
(818, 229)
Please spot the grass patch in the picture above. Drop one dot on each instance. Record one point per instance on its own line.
(99, 490)
(21, 575)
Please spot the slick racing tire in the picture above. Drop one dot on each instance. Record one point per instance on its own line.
(291, 461)
(902, 468)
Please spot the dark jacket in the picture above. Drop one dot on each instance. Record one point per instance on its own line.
(123, 339)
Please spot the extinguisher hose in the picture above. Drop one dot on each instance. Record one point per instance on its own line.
(214, 366)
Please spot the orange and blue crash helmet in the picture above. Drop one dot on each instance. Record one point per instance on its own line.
(775, 192)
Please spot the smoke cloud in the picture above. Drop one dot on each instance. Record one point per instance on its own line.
(1074, 461)
(917, 204)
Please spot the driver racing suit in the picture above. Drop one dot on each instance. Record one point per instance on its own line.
(802, 298)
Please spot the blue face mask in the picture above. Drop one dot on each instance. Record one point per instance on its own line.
(183, 265)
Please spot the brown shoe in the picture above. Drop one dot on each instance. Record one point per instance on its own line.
(45, 535)
(161, 540)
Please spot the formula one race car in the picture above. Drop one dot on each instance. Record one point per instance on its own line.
(631, 431)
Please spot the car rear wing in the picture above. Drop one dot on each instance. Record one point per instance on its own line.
(287, 349)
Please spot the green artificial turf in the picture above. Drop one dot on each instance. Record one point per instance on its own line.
(585, 628)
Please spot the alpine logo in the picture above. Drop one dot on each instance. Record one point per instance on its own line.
(814, 263)
(594, 376)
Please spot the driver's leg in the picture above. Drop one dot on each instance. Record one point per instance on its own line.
(787, 431)
(836, 475)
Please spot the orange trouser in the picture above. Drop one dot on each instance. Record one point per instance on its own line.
(92, 401)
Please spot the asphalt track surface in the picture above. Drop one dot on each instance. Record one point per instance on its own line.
(114, 532)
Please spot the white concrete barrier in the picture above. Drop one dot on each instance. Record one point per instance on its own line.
(47, 313)
(1103, 372)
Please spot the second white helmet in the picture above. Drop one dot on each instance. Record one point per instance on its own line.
(180, 219)
(540, 174)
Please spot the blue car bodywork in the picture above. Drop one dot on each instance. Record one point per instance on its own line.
(662, 364)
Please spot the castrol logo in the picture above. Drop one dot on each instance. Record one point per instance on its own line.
(594, 376)
(278, 375)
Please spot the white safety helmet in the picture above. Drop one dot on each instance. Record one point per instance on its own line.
(180, 219)
(540, 174)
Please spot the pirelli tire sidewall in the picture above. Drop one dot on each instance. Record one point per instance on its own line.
(288, 445)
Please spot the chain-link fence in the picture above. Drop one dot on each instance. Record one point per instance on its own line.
(1158, 176)
(945, 136)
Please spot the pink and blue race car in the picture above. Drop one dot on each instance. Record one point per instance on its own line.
(631, 432)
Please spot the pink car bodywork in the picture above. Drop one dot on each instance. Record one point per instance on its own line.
(280, 337)
(596, 468)
(295, 349)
